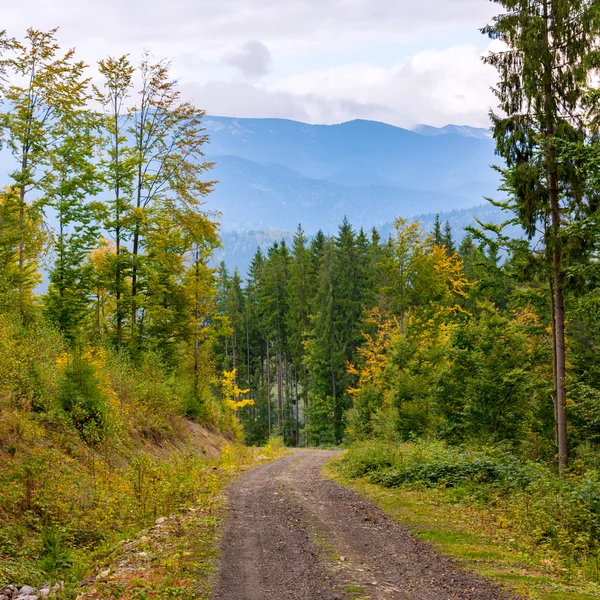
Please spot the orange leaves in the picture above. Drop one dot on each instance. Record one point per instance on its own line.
(374, 352)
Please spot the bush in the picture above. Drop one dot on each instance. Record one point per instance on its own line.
(541, 509)
(367, 458)
(81, 396)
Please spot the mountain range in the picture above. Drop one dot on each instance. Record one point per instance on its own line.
(274, 174)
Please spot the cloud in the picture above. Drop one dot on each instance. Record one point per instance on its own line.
(253, 59)
(208, 26)
(296, 38)
(432, 87)
(221, 98)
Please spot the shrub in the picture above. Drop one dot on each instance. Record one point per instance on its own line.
(541, 509)
(81, 396)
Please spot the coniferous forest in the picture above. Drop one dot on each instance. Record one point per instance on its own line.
(132, 369)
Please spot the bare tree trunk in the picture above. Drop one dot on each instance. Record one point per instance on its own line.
(554, 361)
(269, 387)
(279, 391)
(24, 166)
(559, 303)
(305, 394)
(197, 319)
(118, 238)
(297, 400)
(248, 344)
(551, 112)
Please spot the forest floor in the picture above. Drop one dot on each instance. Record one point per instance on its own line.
(294, 534)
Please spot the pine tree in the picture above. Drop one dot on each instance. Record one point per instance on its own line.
(301, 288)
(438, 237)
(542, 77)
(448, 241)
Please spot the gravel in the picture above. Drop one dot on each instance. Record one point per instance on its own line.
(294, 535)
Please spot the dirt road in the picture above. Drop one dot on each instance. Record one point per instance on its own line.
(294, 535)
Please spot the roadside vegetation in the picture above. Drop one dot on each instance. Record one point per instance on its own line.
(510, 519)
(113, 409)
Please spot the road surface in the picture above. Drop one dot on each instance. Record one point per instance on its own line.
(294, 535)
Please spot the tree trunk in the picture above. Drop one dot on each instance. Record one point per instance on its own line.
(269, 387)
(24, 166)
(559, 304)
(279, 391)
(118, 235)
(554, 363)
(197, 320)
(248, 345)
(551, 115)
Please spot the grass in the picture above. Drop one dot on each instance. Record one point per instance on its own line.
(175, 558)
(474, 537)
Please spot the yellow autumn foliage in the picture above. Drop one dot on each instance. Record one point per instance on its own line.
(232, 393)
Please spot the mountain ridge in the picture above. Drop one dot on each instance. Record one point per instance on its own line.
(274, 173)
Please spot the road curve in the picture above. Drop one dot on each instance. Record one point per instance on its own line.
(294, 535)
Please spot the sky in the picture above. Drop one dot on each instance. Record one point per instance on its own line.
(403, 62)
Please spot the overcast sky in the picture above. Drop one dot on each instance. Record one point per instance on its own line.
(320, 61)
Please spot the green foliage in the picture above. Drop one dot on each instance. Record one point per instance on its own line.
(321, 424)
(82, 398)
(545, 512)
(56, 554)
(488, 391)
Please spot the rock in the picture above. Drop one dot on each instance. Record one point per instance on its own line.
(9, 591)
(27, 590)
(45, 590)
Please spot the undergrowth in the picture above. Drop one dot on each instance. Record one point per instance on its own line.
(93, 448)
(553, 521)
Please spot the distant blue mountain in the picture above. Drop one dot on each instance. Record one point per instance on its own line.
(275, 173)
(240, 246)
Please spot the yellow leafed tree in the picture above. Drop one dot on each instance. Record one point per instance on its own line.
(232, 393)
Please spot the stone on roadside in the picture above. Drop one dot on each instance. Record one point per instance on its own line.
(8, 592)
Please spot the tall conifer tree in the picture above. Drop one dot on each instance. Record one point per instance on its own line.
(543, 74)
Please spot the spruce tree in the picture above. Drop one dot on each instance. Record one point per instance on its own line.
(438, 237)
(543, 74)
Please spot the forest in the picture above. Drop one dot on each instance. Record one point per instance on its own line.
(437, 363)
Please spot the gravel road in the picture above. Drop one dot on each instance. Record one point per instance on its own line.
(294, 535)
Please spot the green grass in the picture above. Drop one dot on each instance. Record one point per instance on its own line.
(473, 537)
(181, 553)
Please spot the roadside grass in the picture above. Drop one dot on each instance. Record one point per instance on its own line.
(479, 537)
(103, 528)
(175, 558)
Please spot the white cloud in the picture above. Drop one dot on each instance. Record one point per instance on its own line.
(432, 87)
(204, 22)
(205, 38)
